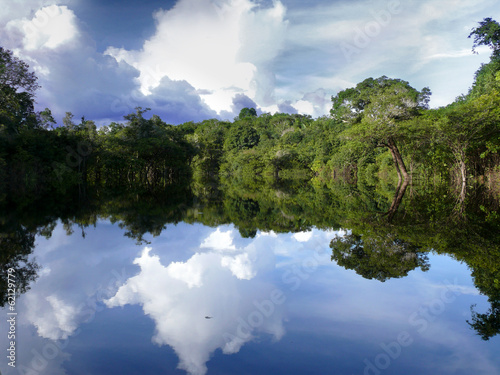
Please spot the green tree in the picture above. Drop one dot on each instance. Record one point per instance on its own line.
(247, 112)
(466, 128)
(375, 111)
(241, 135)
(487, 34)
(15, 73)
(486, 325)
(17, 91)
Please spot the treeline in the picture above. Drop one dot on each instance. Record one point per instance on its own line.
(380, 128)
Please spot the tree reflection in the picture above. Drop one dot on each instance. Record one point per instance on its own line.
(379, 257)
(391, 245)
(17, 245)
(389, 232)
(486, 325)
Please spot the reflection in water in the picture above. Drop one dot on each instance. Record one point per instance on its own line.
(398, 198)
(379, 256)
(218, 291)
(220, 298)
(16, 246)
(217, 283)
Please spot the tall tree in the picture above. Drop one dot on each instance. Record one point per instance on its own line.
(466, 128)
(487, 34)
(17, 91)
(247, 112)
(15, 73)
(375, 111)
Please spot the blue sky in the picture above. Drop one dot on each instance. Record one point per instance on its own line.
(198, 59)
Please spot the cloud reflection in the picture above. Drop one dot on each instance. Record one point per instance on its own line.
(205, 303)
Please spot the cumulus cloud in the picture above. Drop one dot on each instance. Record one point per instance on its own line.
(51, 27)
(76, 78)
(286, 107)
(315, 103)
(58, 320)
(218, 240)
(221, 47)
(13, 10)
(208, 58)
(73, 76)
(302, 236)
(174, 101)
(64, 297)
(240, 101)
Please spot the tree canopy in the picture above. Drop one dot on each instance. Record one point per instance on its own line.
(375, 111)
(487, 34)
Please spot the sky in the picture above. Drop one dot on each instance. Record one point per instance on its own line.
(191, 60)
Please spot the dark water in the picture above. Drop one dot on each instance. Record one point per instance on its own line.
(294, 278)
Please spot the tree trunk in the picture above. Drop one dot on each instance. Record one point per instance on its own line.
(463, 190)
(463, 171)
(398, 160)
(396, 164)
(398, 198)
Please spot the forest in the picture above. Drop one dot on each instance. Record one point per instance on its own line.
(280, 172)
(381, 128)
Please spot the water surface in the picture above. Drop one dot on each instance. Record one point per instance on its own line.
(200, 297)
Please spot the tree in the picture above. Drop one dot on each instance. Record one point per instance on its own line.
(241, 135)
(487, 34)
(17, 91)
(15, 73)
(45, 119)
(68, 121)
(486, 325)
(247, 112)
(466, 127)
(16, 110)
(375, 111)
(487, 77)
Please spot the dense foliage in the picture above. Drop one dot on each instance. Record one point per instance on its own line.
(380, 128)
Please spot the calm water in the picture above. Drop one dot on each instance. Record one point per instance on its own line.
(199, 298)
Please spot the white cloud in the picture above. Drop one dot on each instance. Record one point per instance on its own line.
(190, 272)
(51, 27)
(208, 57)
(76, 78)
(240, 266)
(15, 9)
(423, 42)
(53, 318)
(220, 47)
